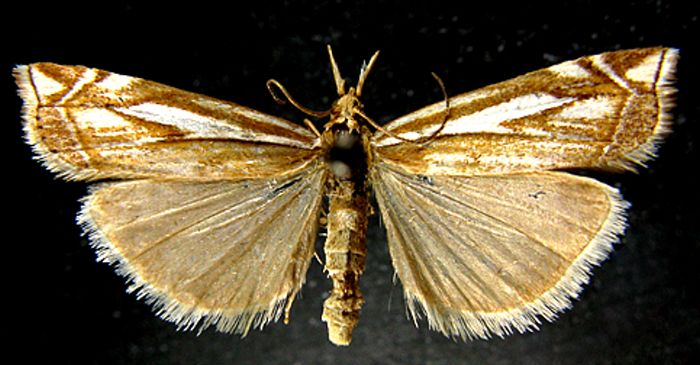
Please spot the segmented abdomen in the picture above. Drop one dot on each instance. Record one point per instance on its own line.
(345, 250)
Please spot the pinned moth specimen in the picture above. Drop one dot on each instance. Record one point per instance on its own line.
(211, 209)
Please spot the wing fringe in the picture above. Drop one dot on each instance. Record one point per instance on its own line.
(474, 325)
(50, 161)
(666, 101)
(186, 317)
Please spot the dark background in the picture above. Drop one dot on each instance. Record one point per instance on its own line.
(641, 307)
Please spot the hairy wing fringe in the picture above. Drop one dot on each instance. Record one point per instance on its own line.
(188, 316)
(185, 317)
(528, 317)
(49, 160)
(665, 92)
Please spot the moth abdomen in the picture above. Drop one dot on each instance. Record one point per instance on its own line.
(345, 251)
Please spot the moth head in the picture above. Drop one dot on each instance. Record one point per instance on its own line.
(344, 110)
(348, 104)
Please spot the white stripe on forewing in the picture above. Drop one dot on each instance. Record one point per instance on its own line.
(115, 82)
(256, 116)
(600, 107)
(45, 85)
(436, 108)
(184, 120)
(85, 78)
(489, 120)
(96, 119)
(597, 61)
(201, 126)
(646, 71)
(278, 122)
(570, 69)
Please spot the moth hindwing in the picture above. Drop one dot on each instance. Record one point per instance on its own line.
(212, 208)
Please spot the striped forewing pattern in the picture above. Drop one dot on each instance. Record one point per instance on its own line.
(91, 124)
(605, 111)
(483, 238)
(216, 216)
(201, 177)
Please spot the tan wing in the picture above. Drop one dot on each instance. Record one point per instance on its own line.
(229, 254)
(606, 111)
(86, 123)
(492, 255)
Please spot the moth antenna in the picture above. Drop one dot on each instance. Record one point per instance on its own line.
(419, 141)
(364, 71)
(428, 139)
(339, 82)
(380, 128)
(303, 109)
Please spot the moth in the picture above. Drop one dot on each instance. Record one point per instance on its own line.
(211, 209)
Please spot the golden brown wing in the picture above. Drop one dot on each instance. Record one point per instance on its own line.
(605, 111)
(227, 254)
(484, 239)
(86, 123)
(218, 225)
(490, 255)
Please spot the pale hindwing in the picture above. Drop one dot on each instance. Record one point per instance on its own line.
(484, 256)
(607, 111)
(227, 254)
(86, 123)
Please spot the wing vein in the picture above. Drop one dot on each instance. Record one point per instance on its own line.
(497, 219)
(251, 235)
(160, 241)
(478, 252)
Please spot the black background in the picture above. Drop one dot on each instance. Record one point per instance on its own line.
(641, 307)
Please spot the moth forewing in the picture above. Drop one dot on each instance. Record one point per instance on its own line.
(217, 223)
(484, 239)
(606, 111)
(85, 123)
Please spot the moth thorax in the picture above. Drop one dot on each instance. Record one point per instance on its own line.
(347, 158)
(345, 139)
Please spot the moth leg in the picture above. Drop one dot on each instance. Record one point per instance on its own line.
(312, 127)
